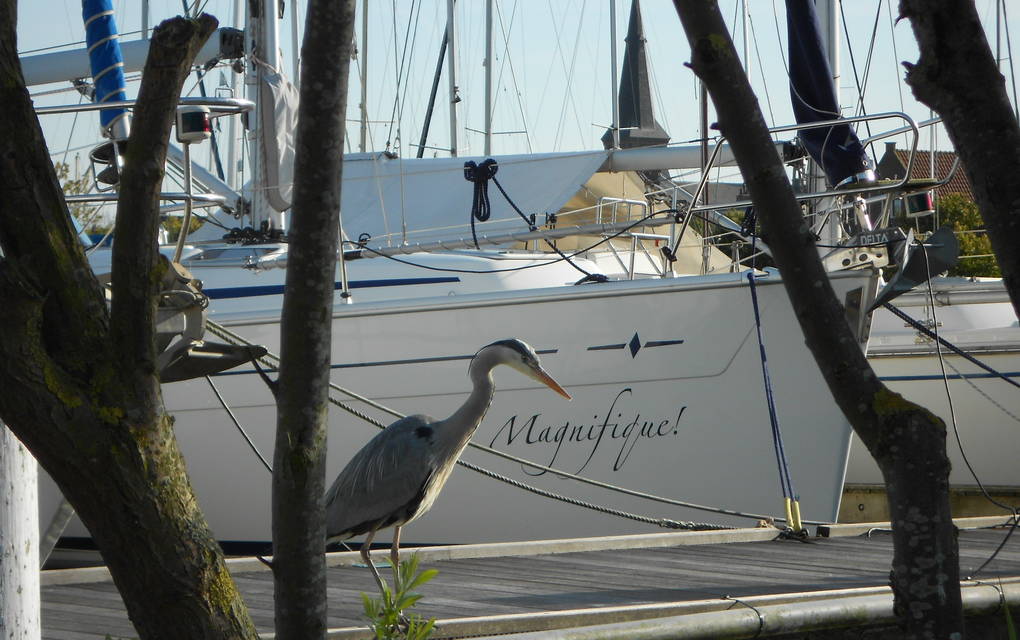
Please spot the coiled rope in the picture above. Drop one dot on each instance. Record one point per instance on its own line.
(271, 360)
(480, 174)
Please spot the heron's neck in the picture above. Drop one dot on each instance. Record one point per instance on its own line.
(470, 414)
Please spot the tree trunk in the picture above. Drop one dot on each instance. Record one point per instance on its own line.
(907, 441)
(80, 386)
(19, 541)
(956, 75)
(299, 525)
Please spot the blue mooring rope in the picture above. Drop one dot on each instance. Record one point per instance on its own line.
(785, 480)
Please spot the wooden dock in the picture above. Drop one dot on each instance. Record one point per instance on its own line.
(539, 586)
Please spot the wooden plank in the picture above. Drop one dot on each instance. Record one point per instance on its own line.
(859, 528)
(542, 587)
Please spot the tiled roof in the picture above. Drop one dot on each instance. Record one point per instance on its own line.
(921, 169)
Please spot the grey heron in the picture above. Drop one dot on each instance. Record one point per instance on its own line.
(396, 477)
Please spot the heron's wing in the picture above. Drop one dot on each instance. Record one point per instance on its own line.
(384, 482)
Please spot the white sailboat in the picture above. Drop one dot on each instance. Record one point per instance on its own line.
(977, 396)
(661, 357)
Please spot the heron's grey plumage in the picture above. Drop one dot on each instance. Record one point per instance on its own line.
(397, 476)
(385, 482)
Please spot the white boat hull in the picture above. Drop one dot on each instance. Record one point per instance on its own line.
(979, 319)
(668, 399)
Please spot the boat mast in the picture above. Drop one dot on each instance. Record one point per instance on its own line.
(265, 54)
(998, 35)
(488, 77)
(233, 180)
(364, 78)
(745, 18)
(270, 53)
(615, 82)
(451, 59)
(250, 189)
(295, 41)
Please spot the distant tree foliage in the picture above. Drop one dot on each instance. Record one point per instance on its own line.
(173, 226)
(962, 214)
(88, 215)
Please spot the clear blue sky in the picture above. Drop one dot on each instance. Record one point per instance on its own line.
(552, 62)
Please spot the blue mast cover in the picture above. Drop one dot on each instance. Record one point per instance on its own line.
(105, 59)
(836, 149)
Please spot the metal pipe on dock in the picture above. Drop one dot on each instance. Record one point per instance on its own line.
(747, 618)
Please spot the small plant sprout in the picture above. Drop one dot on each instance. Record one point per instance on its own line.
(387, 616)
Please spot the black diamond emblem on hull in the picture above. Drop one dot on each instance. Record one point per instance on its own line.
(635, 345)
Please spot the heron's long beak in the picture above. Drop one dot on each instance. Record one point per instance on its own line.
(546, 379)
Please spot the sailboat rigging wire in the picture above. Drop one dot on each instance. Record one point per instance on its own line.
(896, 55)
(607, 238)
(397, 113)
(949, 394)
(1009, 52)
(568, 95)
(761, 70)
(861, 110)
(871, 55)
(271, 360)
(588, 277)
(949, 345)
(508, 62)
(408, 53)
(237, 424)
(398, 102)
(604, 240)
(74, 123)
(982, 393)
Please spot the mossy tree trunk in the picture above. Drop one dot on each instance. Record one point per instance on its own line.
(907, 441)
(302, 396)
(80, 386)
(956, 75)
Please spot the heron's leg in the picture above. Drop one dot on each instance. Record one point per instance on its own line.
(395, 553)
(405, 622)
(366, 547)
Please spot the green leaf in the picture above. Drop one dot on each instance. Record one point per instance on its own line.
(409, 601)
(422, 578)
(371, 605)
